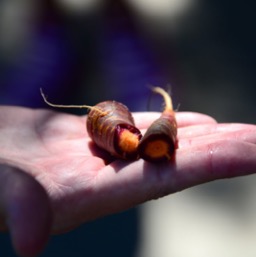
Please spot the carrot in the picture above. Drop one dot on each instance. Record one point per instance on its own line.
(160, 140)
(115, 130)
(111, 127)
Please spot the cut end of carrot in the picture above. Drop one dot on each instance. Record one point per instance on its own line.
(128, 141)
(157, 149)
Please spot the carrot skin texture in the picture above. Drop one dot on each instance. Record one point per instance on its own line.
(106, 127)
(163, 129)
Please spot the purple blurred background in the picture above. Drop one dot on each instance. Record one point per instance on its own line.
(80, 58)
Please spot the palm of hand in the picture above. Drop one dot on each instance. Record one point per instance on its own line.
(82, 184)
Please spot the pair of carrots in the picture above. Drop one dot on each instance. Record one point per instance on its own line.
(111, 127)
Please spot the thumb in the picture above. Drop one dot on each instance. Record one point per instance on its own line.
(26, 210)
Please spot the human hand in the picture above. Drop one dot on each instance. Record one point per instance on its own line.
(53, 178)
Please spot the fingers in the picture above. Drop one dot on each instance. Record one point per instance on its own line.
(192, 118)
(206, 129)
(215, 160)
(26, 210)
(144, 120)
(121, 186)
(210, 133)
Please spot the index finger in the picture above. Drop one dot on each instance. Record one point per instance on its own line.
(144, 119)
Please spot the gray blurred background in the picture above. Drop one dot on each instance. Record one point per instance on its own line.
(85, 51)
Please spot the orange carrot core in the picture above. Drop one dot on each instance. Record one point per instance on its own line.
(157, 149)
(128, 141)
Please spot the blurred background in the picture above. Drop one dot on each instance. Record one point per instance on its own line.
(86, 51)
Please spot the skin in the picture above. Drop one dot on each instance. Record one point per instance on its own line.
(53, 178)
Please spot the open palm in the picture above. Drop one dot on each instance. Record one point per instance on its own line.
(79, 182)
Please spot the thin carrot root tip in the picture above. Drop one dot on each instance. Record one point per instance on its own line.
(128, 141)
(71, 106)
(166, 96)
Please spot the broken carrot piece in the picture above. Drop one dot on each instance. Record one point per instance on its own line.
(160, 140)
